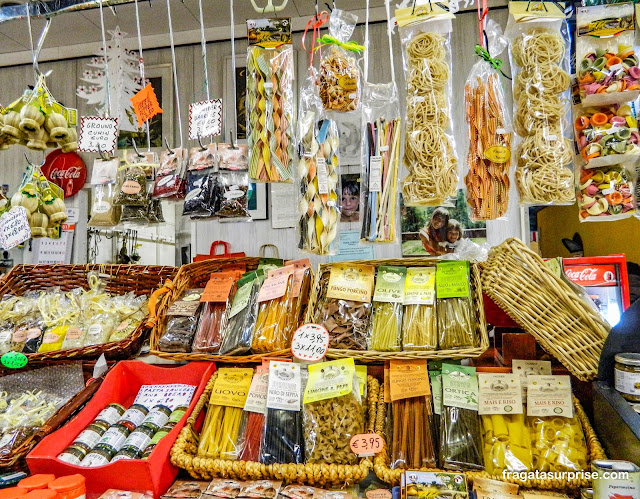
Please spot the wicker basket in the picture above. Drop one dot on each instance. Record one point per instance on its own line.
(518, 280)
(15, 460)
(184, 455)
(319, 291)
(196, 275)
(120, 279)
(381, 463)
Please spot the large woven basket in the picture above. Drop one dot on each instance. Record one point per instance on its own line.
(184, 455)
(196, 275)
(120, 279)
(381, 463)
(518, 280)
(319, 291)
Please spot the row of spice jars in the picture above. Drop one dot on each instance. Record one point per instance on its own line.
(118, 434)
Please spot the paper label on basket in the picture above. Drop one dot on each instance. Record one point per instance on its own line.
(366, 444)
(349, 281)
(187, 305)
(525, 368)
(408, 378)
(379, 494)
(452, 279)
(241, 298)
(361, 374)
(285, 386)
(257, 397)
(273, 287)
(310, 342)
(436, 390)
(390, 284)
(420, 286)
(375, 173)
(321, 174)
(231, 387)
(330, 380)
(459, 387)
(499, 393)
(172, 395)
(549, 396)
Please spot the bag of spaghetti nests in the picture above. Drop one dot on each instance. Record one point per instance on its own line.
(332, 412)
(386, 326)
(457, 323)
(419, 324)
(339, 78)
(346, 308)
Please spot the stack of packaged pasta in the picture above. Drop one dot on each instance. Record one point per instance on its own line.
(415, 308)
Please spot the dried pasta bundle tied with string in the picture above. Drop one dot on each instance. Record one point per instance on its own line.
(539, 54)
(429, 148)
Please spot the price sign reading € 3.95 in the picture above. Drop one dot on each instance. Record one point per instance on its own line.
(310, 342)
(366, 444)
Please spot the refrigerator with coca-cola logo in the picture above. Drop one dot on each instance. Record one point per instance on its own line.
(606, 281)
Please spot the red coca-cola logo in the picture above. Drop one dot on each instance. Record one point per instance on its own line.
(597, 275)
(66, 170)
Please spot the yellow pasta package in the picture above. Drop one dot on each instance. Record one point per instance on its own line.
(419, 325)
(386, 326)
(275, 311)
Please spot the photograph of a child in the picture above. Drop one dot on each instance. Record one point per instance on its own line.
(350, 198)
(437, 231)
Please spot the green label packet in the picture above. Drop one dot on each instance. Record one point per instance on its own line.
(452, 280)
(459, 387)
(243, 294)
(390, 284)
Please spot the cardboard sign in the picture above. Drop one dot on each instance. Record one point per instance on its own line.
(145, 104)
(310, 342)
(366, 444)
(98, 134)
(14, 228)
(205, 118)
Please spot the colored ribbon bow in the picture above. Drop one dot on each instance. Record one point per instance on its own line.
(351, 46)
(495, 62)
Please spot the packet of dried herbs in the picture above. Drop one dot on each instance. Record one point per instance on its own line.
(234, 200)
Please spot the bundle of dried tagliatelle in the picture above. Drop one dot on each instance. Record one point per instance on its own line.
(457, 322)
(419, 325)
(386, 325)
(332, 412)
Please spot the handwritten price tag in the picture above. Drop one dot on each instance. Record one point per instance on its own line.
(205, 118)
(14, 360)
(14, 227)
(97, 134)
(310, 342)
(379, 494)
(366, 444)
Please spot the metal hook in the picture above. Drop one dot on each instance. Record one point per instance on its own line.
(269, 5)
(103, 154)
(329, 6)
(233, 145)
(202, 147)
(135, 148)
(44, 160)
(166, 143)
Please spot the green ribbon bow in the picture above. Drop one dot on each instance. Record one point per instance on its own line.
(484, 53)
(351, 46)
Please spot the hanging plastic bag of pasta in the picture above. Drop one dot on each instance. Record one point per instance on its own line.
(220, 436)
(506, 440)
(332, 412)
(419, 324)
(270, 100)
(539, 50)
(386, 325)
(460, 432)
(345, 308)
(318, 143)
(429, 150)
(283, 440)
(558, 442)
(170, 175)
(412, 441)
(489, 129)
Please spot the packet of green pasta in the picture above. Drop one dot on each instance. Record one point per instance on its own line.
(457, 323)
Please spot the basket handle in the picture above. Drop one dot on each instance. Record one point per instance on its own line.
(154, 302)
(274, 249)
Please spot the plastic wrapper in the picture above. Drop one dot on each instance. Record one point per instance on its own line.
(100, 327)
(606, 193)
(35, 332)
(386, 327)
(317, 173)
(460, 439)
(606, 135)
(607, 64)
(238, 332)
(197, 201)
(253, 435)
(134, 214)
(104, 213)
(178, 335)
(53, 339)
(283, 439)
(6, 330)
(270, 113)
(413, 446)
(221, 433)
(170, 175)
(558, 444)
(347, 322)
(420, 327)
(457, 323)
(381, 148)
(76, 336)
(506, 444)
(128, 324)
(154, 213)
(131, 188)
(234, 196)
(489, 128)
(429, 151)
(275, 322)
(539, 53)
(339, 75)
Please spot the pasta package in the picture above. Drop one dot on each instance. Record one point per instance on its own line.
(255, 409)
(220, 435)
(419, 324)
(558, 442)
(506, 440)
(332, 412)
(606, 193)
(429, 150)
(270, 100)
(170, 176)
(386, 325)
(238, 332)
(539, 51)
(346, 308)
(607, 64)
(182, 322)
(489, 128)
(274, 323)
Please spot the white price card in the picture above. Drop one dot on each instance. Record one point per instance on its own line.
(310, 342)
(375, 173)
(14, 227)
(98, 134)
(205, 118)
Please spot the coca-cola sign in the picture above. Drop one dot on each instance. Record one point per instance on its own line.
(66, 170)
(592, 275)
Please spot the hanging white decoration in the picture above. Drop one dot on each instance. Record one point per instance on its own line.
(124, 81)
